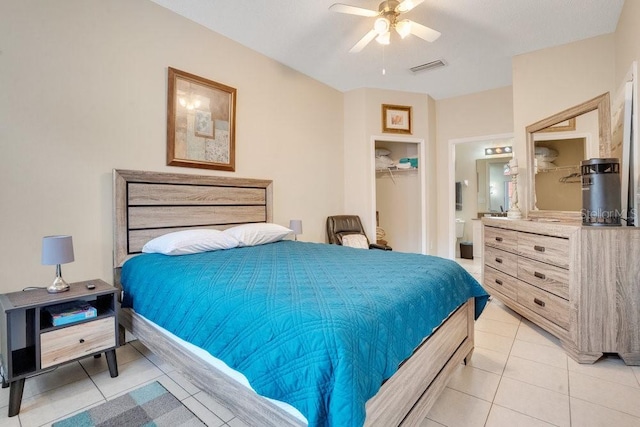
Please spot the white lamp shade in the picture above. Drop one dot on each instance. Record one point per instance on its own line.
(384, 39)
(57, 250)
(403, 28)
(296, 226)
(381, 25)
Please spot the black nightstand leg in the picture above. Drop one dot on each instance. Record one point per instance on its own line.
(15, 397)
(112, 363)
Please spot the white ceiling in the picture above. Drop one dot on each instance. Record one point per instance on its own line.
(479, 38)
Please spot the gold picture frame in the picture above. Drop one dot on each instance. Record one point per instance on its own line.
(396, 119)
(201, 122)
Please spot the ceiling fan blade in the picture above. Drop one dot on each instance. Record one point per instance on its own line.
(352, 10)
(425, 33)
(364, 41)
(407, 5)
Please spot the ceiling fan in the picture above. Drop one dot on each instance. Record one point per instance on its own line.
(388, 14)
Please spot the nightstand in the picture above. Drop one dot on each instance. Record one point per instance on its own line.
(32, 345)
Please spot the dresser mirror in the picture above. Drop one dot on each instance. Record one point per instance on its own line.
(555, 147)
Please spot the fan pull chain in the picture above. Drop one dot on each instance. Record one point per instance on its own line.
(384, 70)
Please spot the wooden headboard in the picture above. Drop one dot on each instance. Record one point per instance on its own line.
(150, 204)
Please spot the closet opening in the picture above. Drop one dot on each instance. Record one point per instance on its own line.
(399, 198)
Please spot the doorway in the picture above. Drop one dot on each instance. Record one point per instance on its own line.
(399, 193)
(463, 169)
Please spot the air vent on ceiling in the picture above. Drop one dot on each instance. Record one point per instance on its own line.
(429, 65)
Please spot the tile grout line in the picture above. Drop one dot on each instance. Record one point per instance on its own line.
(608, 408)
(502, 373)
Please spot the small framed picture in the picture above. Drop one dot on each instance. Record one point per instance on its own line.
(203, 126)
(396, 119)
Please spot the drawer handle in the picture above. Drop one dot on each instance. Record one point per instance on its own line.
(539, 302)
(499, 260)
(499, 282)
(539, 248)
(81, 340)
(539, 275)
(498, 239)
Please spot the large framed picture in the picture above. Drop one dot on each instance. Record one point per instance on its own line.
(396, 119)
(201, 122)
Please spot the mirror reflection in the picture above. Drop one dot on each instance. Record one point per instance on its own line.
(494, 185)
(558, 183)
(556, 147)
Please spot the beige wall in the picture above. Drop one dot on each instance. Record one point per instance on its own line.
(362, 118)
(548, 81)
(84, 91)
(479, 114)
(627, 39)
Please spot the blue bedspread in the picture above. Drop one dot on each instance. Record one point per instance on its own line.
(317, 326)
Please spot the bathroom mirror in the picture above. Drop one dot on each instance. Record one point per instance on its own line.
(493, 186)
(561, 142)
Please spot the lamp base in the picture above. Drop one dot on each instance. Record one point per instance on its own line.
(514, 213)
(58, 285)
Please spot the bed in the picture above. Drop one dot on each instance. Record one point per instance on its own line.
(149, 204)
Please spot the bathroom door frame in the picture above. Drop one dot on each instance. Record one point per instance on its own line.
(451, 187)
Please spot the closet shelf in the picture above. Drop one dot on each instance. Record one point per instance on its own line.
(393, 170)
(559, 168)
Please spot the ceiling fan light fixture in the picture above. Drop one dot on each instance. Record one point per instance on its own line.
(403, 28)
(384, 39)
(387, 17)
(381, 26)
(406, 5)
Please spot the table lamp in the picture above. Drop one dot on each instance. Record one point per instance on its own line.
(57, 250)
(296, 226)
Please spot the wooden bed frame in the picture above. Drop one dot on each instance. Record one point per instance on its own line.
(149, 204)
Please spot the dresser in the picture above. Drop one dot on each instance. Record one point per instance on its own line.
(581, 284)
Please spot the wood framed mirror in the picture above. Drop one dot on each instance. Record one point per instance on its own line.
(570, 133)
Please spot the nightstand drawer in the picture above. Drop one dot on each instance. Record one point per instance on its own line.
(500, 282)
(501, 260)
(548, 277)
(549, 306)
(552, 250)
(62, 345)
(506, 240)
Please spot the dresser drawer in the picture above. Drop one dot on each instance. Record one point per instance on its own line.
(506, 262)
(548, 277)
(552, 250)
(73, 342)
(507, 240)
(500, 282)
(549, 306)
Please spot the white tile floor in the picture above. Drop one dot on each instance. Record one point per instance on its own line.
(518, 376)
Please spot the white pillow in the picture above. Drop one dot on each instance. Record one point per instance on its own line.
(258, 233)
(382, 152)
(355, 241)
(190, 242)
